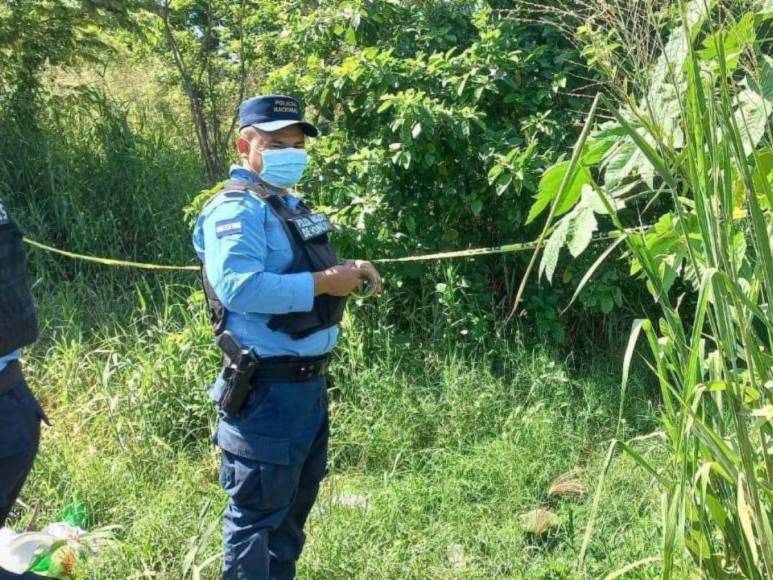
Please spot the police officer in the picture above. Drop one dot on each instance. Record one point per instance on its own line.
(274, 284)
(20, 413)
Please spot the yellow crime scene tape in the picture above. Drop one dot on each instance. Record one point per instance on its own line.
(472, 253)
(106, 261)
(505, 249)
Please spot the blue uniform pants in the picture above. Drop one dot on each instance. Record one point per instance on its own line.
(273, 459)
(20, 416)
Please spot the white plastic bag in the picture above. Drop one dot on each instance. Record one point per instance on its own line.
(19, 551)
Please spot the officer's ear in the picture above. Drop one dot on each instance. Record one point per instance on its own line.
(243, 146)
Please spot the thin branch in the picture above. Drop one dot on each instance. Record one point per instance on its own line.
(191, 89)
(242, 78)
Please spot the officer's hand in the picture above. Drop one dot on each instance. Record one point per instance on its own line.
(369, 273)
(337, 281)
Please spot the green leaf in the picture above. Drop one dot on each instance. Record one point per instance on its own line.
(762, 80)
(733, 40)
(596, 149)
(476, 205)
(754, 105)
(668, 74)
(583, 226)
(623, 161)
(351, 36)
(553, 249)
(716, 509)
(589, 273)
(495, 172)
(596, 500)
(762, 176)
(549, 185)
(633, 338)
(650, 158)
(744, 516)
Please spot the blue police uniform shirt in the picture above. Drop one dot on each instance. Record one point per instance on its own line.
(10, 357)
(246, 253)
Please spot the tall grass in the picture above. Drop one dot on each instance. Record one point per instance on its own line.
(86, 172)
(712, 352)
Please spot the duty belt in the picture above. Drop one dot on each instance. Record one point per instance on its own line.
(290, 368)
(10, 376)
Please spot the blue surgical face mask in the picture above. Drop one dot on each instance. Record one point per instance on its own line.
(283, 167)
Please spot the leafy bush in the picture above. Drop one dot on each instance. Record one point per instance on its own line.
(437, 121)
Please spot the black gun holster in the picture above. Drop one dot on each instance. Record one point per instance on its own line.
(240, 366)
(237, 386)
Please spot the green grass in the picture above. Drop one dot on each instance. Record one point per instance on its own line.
(445, 448)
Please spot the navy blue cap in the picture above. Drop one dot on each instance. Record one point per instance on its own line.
(273, 112)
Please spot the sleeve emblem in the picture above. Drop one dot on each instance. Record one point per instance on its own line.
(228, 227)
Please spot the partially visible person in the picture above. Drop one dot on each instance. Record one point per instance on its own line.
(20, 412)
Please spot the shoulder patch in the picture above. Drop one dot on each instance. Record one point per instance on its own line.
(228, 227)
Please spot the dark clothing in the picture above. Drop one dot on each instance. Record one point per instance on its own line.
(274, 457)
(20, 413)
(26, 576)
(18, 323)
(20, 416)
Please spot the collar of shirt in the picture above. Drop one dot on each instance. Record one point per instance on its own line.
(244, 174)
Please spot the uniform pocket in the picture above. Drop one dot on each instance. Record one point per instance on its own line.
(258, 484)
(278, 485)
(266, 449)
(257, 397)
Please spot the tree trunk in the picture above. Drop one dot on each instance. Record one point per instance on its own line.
(208, 155)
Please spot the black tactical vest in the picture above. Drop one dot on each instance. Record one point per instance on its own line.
(312, 252)
(18, 322)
